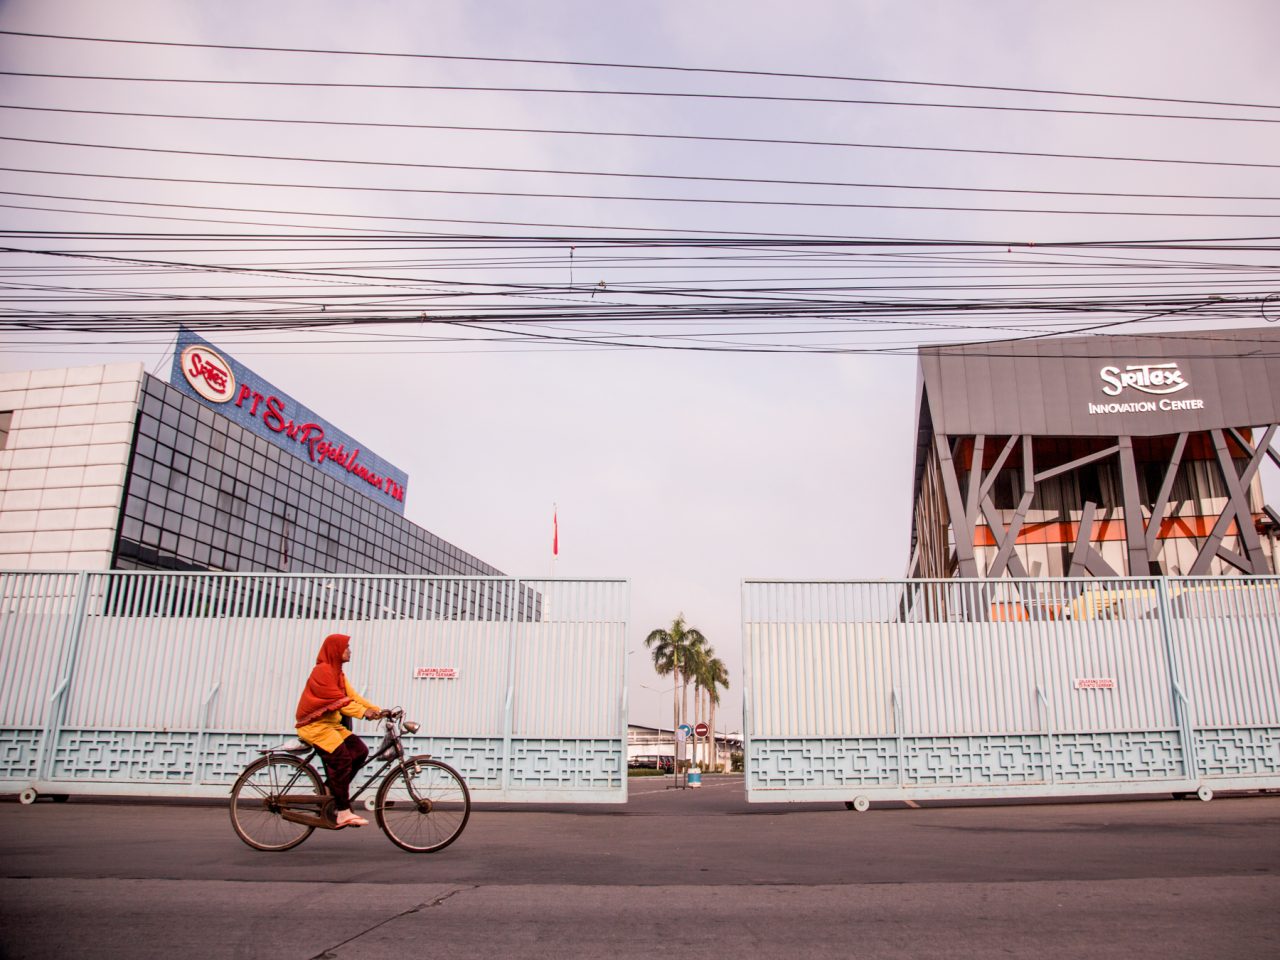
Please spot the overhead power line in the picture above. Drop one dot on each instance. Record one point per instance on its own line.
(667, 94)
(639, 66)
(864, 146)
(533, 194)
(621, 234)
(542, 327)
(754, 305)
(551, 131)
(707, 290)
(721, 320)
(691, 178)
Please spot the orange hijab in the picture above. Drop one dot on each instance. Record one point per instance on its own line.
(326, 688)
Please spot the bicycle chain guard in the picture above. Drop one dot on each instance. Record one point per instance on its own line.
(312, 810)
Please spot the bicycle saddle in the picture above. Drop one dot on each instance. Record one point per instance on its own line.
(289, 746)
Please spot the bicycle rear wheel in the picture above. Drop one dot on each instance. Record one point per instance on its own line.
(423, 805)
(255, 806)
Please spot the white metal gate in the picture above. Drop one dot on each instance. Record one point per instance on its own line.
(164, 684)
(951, 688)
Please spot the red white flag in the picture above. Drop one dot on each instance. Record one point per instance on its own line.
(555, 533)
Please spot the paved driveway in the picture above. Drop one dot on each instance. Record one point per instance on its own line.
(683, 871)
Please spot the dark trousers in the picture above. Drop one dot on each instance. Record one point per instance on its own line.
(341, 766)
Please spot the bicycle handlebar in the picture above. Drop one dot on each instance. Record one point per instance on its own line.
(396, 715)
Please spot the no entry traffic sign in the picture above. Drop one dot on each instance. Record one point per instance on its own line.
(701, 729)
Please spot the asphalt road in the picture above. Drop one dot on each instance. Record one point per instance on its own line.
(684, 872)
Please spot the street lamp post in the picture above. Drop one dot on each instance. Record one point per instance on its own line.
(675, 739)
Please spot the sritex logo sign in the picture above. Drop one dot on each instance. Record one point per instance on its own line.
(1155, 378)
(209, 374)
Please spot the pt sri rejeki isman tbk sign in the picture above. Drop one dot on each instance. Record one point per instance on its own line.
(201, 371)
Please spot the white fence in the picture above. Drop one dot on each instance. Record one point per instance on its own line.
(167, 684)
(952, 688)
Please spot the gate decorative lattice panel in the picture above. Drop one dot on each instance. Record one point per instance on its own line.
(937, 688)
(168, 684)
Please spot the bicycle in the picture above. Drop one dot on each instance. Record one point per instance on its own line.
(279, 800)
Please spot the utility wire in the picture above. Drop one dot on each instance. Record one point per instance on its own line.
(704, 138)
(865, 146)
(1128, 115)
(665, 237)
(346, 276)
(532, 194)
(476, 168)
(636, 66)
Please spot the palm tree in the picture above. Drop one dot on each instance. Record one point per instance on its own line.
(695, 658)
(695, 664)
(673, 651)
(711, 675)
(699, 695)
(717, 676)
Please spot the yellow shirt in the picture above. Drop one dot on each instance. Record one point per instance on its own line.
(327, 733)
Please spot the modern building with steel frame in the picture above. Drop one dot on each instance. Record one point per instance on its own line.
(1097, 456)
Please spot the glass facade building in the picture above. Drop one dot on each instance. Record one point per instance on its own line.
(203, 493)
(108, 467)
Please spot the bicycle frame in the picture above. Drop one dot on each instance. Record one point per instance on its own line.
(391, 738)
(422, 804)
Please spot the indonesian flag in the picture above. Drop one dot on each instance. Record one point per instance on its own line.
(555, 533)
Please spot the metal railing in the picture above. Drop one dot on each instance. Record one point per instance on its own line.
(938, 688)
(133, 682)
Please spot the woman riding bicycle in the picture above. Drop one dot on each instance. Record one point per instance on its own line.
(326, 699)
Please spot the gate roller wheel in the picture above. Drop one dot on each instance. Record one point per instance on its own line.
(28, 796)
(1205, 794)
(861, 804)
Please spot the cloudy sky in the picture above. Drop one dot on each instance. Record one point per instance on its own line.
(685, 449)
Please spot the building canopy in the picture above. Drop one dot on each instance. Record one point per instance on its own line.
(1105, 386)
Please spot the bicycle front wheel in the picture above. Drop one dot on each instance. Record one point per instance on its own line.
(423, 805)
(255, 802)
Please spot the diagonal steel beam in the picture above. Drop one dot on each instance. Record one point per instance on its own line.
(1008, 539)
(1236, 509)
(1135, 527)
(1005, 555)
(994, 473)
(1082, 461)
(961, 527)
(1084, 556)
(1166, 490)
(975, 479)
(1256, 454)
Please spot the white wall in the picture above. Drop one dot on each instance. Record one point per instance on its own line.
(62, 469)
